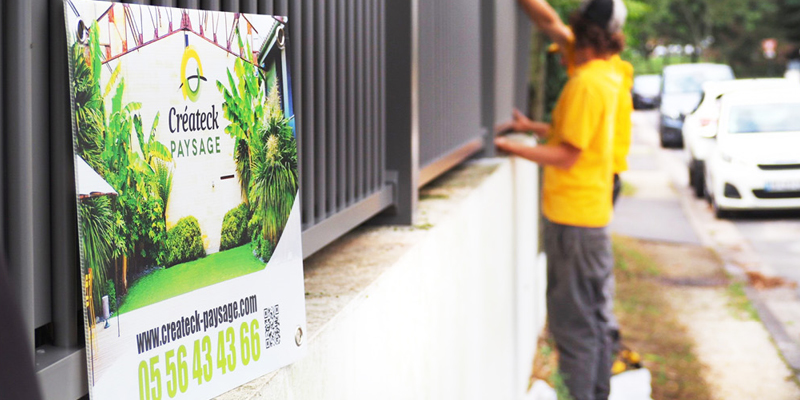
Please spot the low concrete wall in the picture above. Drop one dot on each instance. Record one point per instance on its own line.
(450, 308)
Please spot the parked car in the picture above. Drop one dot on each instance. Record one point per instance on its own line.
(700, 126)
(645, 91)
(755, 162)
(681, 88)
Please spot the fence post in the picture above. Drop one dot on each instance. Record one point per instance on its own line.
(18, 142)
(402, 109)
(63, 209)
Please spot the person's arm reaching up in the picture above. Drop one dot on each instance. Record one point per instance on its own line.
(547, 20)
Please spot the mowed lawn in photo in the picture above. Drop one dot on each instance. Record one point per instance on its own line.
(183, 278)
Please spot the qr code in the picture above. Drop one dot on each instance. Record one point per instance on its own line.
(272, 326)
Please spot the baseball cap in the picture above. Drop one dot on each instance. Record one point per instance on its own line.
(608, 14)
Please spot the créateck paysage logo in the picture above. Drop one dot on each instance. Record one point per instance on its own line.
(195, 120)
(190, 54)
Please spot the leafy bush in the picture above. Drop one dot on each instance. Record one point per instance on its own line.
(262, 246)
(184, 242)
(234, 227)
(111, 291)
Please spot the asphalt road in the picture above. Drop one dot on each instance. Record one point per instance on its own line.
(776, 239)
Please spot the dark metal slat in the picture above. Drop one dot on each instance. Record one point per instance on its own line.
(360, 158)
(341, 100)
(382, 93)
(265, 7)
(330, 106)
(248, 6)
(3, 215)
(282, 8)
(230, 5)
(307, 179)
(367, 65)
(213, 5)
(351, 103)
(193, 4)
(376, 132)
(320, 130)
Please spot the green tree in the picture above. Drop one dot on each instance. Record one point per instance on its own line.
(789, 18)
(88, 100)
(729, 30)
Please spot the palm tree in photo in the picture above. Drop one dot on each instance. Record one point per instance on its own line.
(244, 107)
(96, 224)
(274, 179)
(156, 163)
(265, 153)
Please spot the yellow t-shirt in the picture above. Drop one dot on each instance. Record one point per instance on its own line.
(624, 127)
(622, 132)
(584, 117)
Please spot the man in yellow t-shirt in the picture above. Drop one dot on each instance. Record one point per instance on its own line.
(623, 128)
(578, 162)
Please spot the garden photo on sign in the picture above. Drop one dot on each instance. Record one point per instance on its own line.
(185, 158)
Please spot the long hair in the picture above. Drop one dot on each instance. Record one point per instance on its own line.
(591, 35)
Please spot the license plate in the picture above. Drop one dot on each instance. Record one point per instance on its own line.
(782, 186)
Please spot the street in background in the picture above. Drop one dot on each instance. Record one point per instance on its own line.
(681, 88)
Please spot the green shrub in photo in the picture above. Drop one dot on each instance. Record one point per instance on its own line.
(184, 241)
(234, 228)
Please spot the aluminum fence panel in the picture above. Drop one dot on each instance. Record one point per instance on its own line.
(449, 84)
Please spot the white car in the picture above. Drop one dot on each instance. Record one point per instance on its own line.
(755, 160)
(700, 126)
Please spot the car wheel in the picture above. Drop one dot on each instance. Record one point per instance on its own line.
(670, 143)
(696, 178)
(666, 144)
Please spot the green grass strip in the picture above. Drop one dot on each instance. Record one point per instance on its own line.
(183, 278)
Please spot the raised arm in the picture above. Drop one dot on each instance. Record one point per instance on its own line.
(547, 20)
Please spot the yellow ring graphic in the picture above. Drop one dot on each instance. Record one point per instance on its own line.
(187, 91)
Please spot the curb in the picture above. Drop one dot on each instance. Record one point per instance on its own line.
(789, 349)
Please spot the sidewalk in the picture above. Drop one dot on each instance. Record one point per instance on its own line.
(740, 360)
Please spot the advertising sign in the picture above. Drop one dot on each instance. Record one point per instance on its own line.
(188, 207)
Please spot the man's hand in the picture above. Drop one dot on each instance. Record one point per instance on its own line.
(501, 143)
(521, 123)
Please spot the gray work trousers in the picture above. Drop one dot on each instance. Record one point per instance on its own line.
(579, 266)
